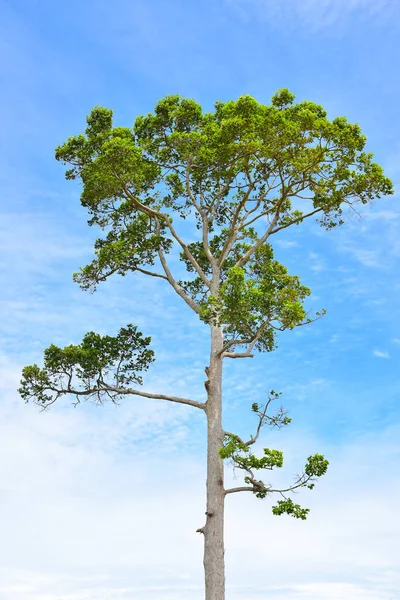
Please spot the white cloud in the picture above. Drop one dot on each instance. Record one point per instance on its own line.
(314, 14)
(286, 243)
(380, 354)
(367, 257)
(103, 504)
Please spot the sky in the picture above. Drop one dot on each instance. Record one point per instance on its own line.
(102, 503)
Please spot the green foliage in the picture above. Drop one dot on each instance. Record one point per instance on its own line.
(316, 466)
(100, 367)
(288, 507)
(125, 248)
(240, 455)
(244, 172)
(232, 445)
(260, 292)
(243, 162)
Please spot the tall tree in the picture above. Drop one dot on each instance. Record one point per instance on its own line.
(245, 172)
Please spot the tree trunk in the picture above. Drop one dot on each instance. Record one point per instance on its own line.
(214, 566)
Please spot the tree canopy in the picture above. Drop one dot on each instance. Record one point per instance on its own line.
(244, 172)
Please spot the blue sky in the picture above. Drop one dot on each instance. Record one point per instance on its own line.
(83, 519)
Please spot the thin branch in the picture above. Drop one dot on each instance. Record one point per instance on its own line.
(233, 435)
(124, 392)
(145, 272)
(186, 250)
(263, 238)
(190, 192)
(292, 487)
(181, 292)
(262, 415)
(234, 229)
(299, 220)
(142, 207)
(164, 217)
(204, 218)
(258, 486)
(167, 397)
(251, 343)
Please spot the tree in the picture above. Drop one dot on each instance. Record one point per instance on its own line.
(245, 172)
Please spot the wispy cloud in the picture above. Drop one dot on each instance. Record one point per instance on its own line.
(93, 475)
(380, 354)
(287, 243)
(315, 14)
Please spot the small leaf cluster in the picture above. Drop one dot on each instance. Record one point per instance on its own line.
(271, 459)
(288, 507)
(99, 367)
(316, 466)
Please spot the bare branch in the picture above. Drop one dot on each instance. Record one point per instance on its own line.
(181, 292)
(237, 355)
(142, 207)
(190, 192)
(301, 483)
(251, 343)
(203, 215)
(166, 397)
(187, 252)
(239, 489)
(105, 388)
(145, 272)
(262, 416)
(296, 221)
(236, 223)
(233, 435)
(263, 238)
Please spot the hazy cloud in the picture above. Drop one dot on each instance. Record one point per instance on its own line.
(315, 14)
(381, 354)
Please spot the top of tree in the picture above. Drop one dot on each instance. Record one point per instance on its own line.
(245, 171)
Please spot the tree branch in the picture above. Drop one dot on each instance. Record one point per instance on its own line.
(263, 238)
(189, 301)
(123, 392)
(251, 343)
(145, 272)
(234, 230)
(239, 489)
(204, 219)
(186, 250)
(158, 215)
(166, 397)
(297, 221)
(193, 305)
(237, 355)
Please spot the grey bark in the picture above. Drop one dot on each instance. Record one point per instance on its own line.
(214, 566)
